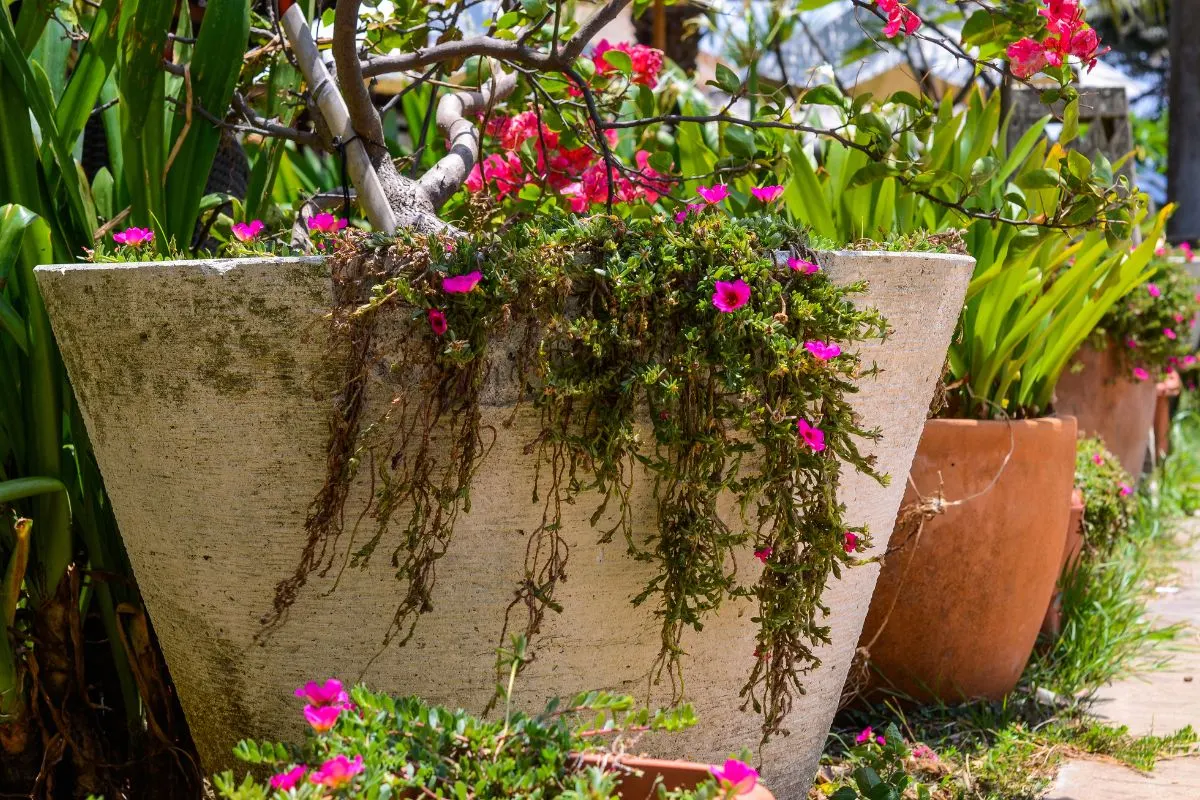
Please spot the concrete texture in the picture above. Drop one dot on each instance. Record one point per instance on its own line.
(206, 388)
(1160, 702)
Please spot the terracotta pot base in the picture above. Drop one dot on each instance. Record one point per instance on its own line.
(960, 599)
(640, 782)
(1052, 624)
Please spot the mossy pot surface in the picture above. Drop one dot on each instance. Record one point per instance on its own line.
(207, 388)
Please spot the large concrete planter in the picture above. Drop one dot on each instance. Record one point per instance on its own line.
(1107, 401)
(206, 388)
(959, 603)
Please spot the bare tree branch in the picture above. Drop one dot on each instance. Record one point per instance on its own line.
(259, 124)
(358, 163)
(363, 116)
(455, 115)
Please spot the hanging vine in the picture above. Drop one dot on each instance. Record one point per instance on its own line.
(691, 355)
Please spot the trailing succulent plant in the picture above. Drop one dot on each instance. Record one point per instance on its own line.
(686, 354)
(364, 744)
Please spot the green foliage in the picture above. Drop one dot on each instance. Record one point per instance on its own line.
(1109, 505)
(1137, 324)
(881, 766)
(621, 332)
(411, 748)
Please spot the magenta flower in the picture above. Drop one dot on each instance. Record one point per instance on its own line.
(865, 736)
(924, 751)
(735, 776)
(713, 194)
(681, 216)
(1153, 290)
(1189, 360)
(802, 266)
(247, 231)
(730, 295)
(288, 780)
(767, 194)
(851, 542)
(1131, 343)
(823, 351)
(813, 436)
(763, 553)
(1167, 332)
(325, 223)
(337, 772)
(1126, 489)
(1187, 251)
(1097, 458)
(323, 694)
(437, 321)
(134, 237)
(461, 284)
(1179, 317)
(322, 718)
(1141, 374)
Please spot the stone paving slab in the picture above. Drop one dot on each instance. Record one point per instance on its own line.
(1173, 779)
(1159, 702)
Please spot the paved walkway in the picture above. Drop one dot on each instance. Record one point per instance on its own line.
(1158, 702)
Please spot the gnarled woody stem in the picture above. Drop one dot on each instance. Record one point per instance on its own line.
(389, 199)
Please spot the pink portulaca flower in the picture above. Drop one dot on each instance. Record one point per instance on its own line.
(763, 553)
(802, 266)
(767, 194)
(1126, 489)
(322, 718)
(735, 776)
(1169, 333)
(713, 194)
(1097, 458)
(461, 284)
(337, 772)
(247, 231)
(1189, 360)
(323, 694)
(134, 237)
(823, 351)
(1131, 343)
(1179, 317)
(288, 780)
(325, 223)
(1141, 374)
(1187, 251)
(1153, 290)
(813, 436)
(867, 736)
(851, 542)
(730, 295)
(437, 322)
(681, 216)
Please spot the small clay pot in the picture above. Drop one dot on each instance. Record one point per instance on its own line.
(961, 596)
(641, 775)
(1052, 624)
(1168, 388)
(1107, 401)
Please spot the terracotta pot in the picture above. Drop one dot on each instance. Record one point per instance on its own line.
(1107, 401)
(1052, 624)
(206, 388)
(640, 782)
(1169, 387)
(958, 605)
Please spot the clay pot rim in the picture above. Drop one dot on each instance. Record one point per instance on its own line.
(1053, 420)
(759, 792)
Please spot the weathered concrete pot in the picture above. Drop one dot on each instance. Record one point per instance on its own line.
(1052, 623)
(207, 389)
(959, 603)
(1107, 401)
